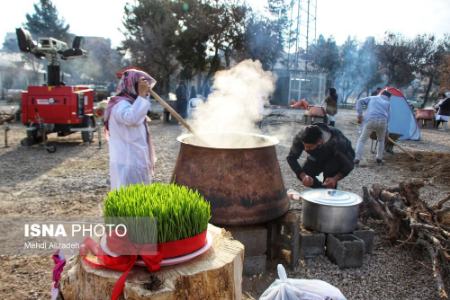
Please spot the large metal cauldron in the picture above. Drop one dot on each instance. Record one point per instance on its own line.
(243, 185)
(330, 211)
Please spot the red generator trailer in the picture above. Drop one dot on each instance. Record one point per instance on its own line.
(60, 109)
(55, 107)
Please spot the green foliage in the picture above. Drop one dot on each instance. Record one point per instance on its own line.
(355, 69)
(200, 36)
(10, 44)
(208, 29)
(193, 35)
(428, 55)
(395, 57)
(179, 211)
(264, 36)
(100, 65)
(44, 22)
(325, 56)
(150, 33)
(263, 41)
(279, 12)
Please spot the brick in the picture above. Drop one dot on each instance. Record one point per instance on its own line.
(283, 238)
(312, 244)
(346, 250)
(254, 238)
(254, 265)
(366, 234)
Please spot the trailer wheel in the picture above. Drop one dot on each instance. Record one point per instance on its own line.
(88, 136)
(33, 137)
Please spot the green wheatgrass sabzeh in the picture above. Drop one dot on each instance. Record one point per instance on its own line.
(179, 212)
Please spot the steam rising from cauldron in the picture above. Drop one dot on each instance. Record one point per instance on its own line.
(230, 140)
(235, 106)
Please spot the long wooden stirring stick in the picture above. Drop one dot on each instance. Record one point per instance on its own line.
(403, 149)
(172, 111)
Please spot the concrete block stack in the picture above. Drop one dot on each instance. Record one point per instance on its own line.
(254, 239)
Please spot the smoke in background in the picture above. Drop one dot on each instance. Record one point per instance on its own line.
(235, 105)
(358, 73)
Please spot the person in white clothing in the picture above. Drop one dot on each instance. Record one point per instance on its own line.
(375, 119)
(131, 152)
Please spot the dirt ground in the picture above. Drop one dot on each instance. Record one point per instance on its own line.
(74, 180)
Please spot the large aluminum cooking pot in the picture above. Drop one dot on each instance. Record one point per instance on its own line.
(241, 179)
(330, 211)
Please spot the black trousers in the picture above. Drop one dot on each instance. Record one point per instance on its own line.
(182, 108)
(313, 168)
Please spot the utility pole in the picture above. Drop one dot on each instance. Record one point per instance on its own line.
(290, 36)
(307, 39)
(304, 11)
(297, 34)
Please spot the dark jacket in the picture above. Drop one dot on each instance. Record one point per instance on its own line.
(443, 107)
(181, 92)
(331, 105)
(338, 150)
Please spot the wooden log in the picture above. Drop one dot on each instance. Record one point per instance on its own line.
(441, 202)
(410, 190)
(436, 268)
(216, 274)
(406, 215)
(403, 149)
(443, 216)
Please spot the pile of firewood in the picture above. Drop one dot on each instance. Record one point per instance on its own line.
(411, 221)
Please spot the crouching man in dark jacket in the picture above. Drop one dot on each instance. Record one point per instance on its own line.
(329, 151)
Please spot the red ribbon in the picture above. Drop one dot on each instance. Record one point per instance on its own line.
(125, 263)
(58, 269)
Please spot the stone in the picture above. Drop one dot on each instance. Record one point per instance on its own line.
(312, 244)
(346, 250)
(367, 235)
(284, 235)
(254, 265)
(253, 237)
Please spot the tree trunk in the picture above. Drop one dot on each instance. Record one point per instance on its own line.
(427, 92)
(362, 92)
(216, 274)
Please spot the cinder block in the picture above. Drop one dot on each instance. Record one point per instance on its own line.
(254, 265)
(254, 238)
(346, 250)
(283, 238)
(366, 234)
(312, 244)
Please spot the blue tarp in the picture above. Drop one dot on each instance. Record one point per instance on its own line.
(402, 120)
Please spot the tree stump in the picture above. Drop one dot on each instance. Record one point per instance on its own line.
(216, 274)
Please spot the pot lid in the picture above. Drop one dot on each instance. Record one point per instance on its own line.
(331, 197)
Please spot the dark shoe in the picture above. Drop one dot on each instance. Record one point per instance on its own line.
(390, 150)
(356, 162)
(379, 162)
